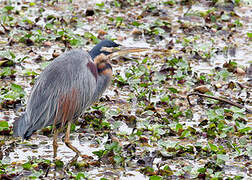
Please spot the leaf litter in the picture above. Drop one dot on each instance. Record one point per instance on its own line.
(143, 126)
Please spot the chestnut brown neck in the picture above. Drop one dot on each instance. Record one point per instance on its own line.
(103, 65)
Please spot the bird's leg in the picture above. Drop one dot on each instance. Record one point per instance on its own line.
(68, 143)
(55, 144)
(55, 136)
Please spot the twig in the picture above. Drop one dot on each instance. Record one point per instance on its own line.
(47, 171)
(219, 99)
(5, 29)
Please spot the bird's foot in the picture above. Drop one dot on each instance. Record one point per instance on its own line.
(73, 160)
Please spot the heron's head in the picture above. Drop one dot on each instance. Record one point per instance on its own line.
(97, 50)
(112, 49)
(107, 49)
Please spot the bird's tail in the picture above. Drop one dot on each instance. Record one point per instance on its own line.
(20, 126)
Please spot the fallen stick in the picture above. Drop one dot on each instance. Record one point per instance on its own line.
(219, 99)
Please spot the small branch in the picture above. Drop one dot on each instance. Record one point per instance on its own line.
(5, 29)
(219, 99)
(47, 171)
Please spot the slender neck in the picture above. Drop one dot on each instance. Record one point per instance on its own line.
(103, 82)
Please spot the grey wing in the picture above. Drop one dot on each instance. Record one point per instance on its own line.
(62, 92)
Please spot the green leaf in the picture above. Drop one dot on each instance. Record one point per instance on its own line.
(73, 127)
(13, 56)
(16, 88)
(213, 147)
(159, 31)
(185, 133)
(224, 74)
(59, 163)
(112, 146)
(8, 8)
(4, 124)
(156, 178)
(74, 42)
(100, 4)
(119, 19)
(118, 159)
(173, 90)
(202, 170)
(165, 99)
(27, 166)
(49, 26)
(135, 23)
(249, 35)
(246, 129)
(92, 37)
(117, 4)
(80, 176)
(237, 2)
(6, 71)
(178, 127)
(32, 4)
(167, 167)
(170, 2)
(99, 153)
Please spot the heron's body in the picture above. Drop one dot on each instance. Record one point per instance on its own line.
(73, 86)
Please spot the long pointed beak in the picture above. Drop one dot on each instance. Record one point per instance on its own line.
(121, 50)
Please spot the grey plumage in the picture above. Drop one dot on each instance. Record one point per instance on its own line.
(62, 92)
(73, 83)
